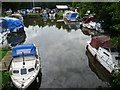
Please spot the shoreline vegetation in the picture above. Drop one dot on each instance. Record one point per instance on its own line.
(3, 52)
(4, 75)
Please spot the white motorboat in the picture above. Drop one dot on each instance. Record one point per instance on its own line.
(87, 23)
(70, 16)
(52, 14)
(104, 53)
(25, 65)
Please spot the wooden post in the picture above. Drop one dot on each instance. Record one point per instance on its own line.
(5, 64)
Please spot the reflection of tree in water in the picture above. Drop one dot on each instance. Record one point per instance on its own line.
(41, 23)
(96, 67)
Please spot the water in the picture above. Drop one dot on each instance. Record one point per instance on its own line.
(62, 49)
(63, 54)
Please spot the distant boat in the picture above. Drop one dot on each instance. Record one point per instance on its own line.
(70, 16)
(88, 23)
(18, 16)
(107, 55)
(25, 65)
(52, 14)
(44, 13)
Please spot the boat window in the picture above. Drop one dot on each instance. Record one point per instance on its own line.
(23, 71)
(31, 69)
(15, 71)
(106, 54)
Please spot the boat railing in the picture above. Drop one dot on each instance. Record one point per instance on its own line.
(106, 60)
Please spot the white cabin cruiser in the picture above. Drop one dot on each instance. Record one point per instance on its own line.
(88, 23)
(25, 65)
(70, 16)
(104, 53)
(52, 14)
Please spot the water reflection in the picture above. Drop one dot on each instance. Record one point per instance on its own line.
(64, 63)
(89, 32)
(98, 69)
(45, 21)
(72, 25)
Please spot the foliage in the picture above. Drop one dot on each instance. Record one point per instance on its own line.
(3, 52)
(116, 77)
(5, 80)
(60, 13)
(34, 14)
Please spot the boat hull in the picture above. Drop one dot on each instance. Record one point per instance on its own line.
(99, 57)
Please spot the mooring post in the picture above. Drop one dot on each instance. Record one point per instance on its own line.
(5, 64)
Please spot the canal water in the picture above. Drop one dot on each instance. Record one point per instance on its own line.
(62, 46)
(63, 53)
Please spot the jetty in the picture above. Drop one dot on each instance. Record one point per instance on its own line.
(5, 62)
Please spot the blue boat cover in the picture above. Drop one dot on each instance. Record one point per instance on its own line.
(44, 13)
(24, 47)
(72, 15)
(11, 23)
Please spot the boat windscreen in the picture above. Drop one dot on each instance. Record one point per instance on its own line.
(23, 51)
(23, 71)
(26, 58)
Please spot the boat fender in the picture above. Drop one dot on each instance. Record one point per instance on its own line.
(37, 79)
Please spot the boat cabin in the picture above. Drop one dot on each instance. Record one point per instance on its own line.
(100, 41)
(24, 59)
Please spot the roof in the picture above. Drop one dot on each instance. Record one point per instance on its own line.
(102, 38)
(36, 7)
(26, 49)
(100, 41)
(62, 6)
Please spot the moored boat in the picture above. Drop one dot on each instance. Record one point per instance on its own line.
(11, 24)
(106, 54)
(25, 65)
(18, 16)
(70, 16)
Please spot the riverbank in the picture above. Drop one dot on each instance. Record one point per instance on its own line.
(5, 59)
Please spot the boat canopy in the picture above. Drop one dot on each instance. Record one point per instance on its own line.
(72, 15)
(11, 23)
(100, 41)
(26, 49)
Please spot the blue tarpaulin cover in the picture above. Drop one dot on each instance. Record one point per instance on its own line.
(72, 15)
(11, 23)
(23, 47)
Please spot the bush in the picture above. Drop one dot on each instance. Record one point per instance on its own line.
(5, 79)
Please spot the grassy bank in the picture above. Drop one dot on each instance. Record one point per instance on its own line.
(60, 13)
(5, 79)
(3, 52)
